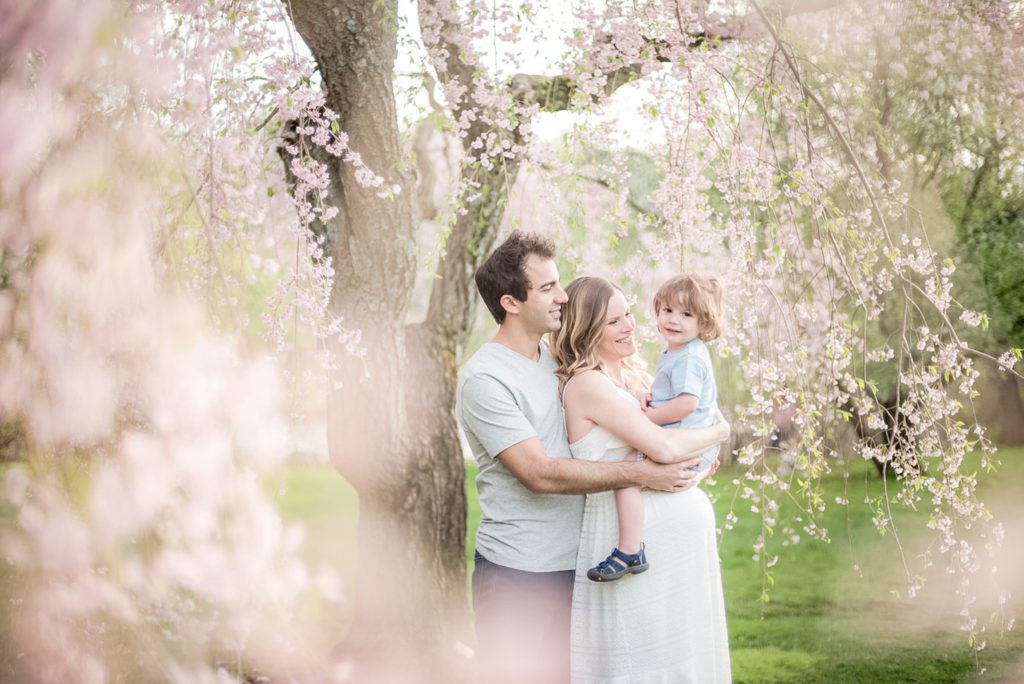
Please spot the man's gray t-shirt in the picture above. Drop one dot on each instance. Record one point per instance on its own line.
(504, 398)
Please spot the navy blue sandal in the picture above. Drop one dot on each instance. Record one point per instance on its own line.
(619, 564)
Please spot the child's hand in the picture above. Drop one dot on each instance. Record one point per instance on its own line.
(714, 467)
(645, 400)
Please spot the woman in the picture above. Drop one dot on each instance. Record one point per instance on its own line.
(668, 624)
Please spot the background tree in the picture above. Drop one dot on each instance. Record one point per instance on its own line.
(943, 130)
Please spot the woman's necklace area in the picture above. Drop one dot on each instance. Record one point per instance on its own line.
(618, 382)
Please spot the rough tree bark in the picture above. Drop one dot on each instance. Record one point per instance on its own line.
(391, 433)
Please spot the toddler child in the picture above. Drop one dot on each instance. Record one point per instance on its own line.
(684, 393)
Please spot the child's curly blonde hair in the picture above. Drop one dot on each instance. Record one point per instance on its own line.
(698, 294)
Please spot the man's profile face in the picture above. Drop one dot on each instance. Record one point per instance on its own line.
(542, 310)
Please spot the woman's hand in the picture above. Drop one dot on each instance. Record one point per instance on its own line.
(722, 425)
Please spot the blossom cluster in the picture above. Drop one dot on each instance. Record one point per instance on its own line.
(145, 545)
(844, 326)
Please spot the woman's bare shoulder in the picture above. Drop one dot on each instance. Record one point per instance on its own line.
(588, 384)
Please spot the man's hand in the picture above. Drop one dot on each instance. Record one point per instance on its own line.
(673, 477)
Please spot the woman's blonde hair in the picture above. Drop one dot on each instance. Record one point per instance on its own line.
(698, 294)
(574, 345)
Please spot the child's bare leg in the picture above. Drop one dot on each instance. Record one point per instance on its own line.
(628, 558)
(629, 504)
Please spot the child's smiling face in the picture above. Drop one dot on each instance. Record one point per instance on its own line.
(676, 324)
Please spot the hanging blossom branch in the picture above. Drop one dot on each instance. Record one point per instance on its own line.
(925, 419)
(493, 129)
(805, 222)
(493, 118)
(231, 65)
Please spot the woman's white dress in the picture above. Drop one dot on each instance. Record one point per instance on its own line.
(666, 625)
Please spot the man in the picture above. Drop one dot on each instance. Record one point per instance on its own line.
(530, 490)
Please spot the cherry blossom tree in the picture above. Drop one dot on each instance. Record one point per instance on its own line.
(145, 546)
(412, 469)
(750, 123)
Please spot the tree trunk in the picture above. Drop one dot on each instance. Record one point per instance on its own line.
(1008, 409)
(391, 431)
(895, 433)
(13, 440)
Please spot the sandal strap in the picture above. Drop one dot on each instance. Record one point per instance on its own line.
(626, 558)
(617, 561)
(611, 564)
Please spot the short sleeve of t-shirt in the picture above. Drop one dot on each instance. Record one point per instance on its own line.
(689, 373)
(489, 410)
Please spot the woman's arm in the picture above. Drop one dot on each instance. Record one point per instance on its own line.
(593, 396)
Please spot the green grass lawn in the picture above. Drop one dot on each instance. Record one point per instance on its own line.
(838, 612)
(824, 620)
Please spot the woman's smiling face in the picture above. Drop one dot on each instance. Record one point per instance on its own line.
(617, 341)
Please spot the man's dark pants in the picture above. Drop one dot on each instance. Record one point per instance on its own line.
(522, 623)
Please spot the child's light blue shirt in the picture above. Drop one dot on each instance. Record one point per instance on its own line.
(688, 371)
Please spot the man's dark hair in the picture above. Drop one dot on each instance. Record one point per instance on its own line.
(503, 272)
